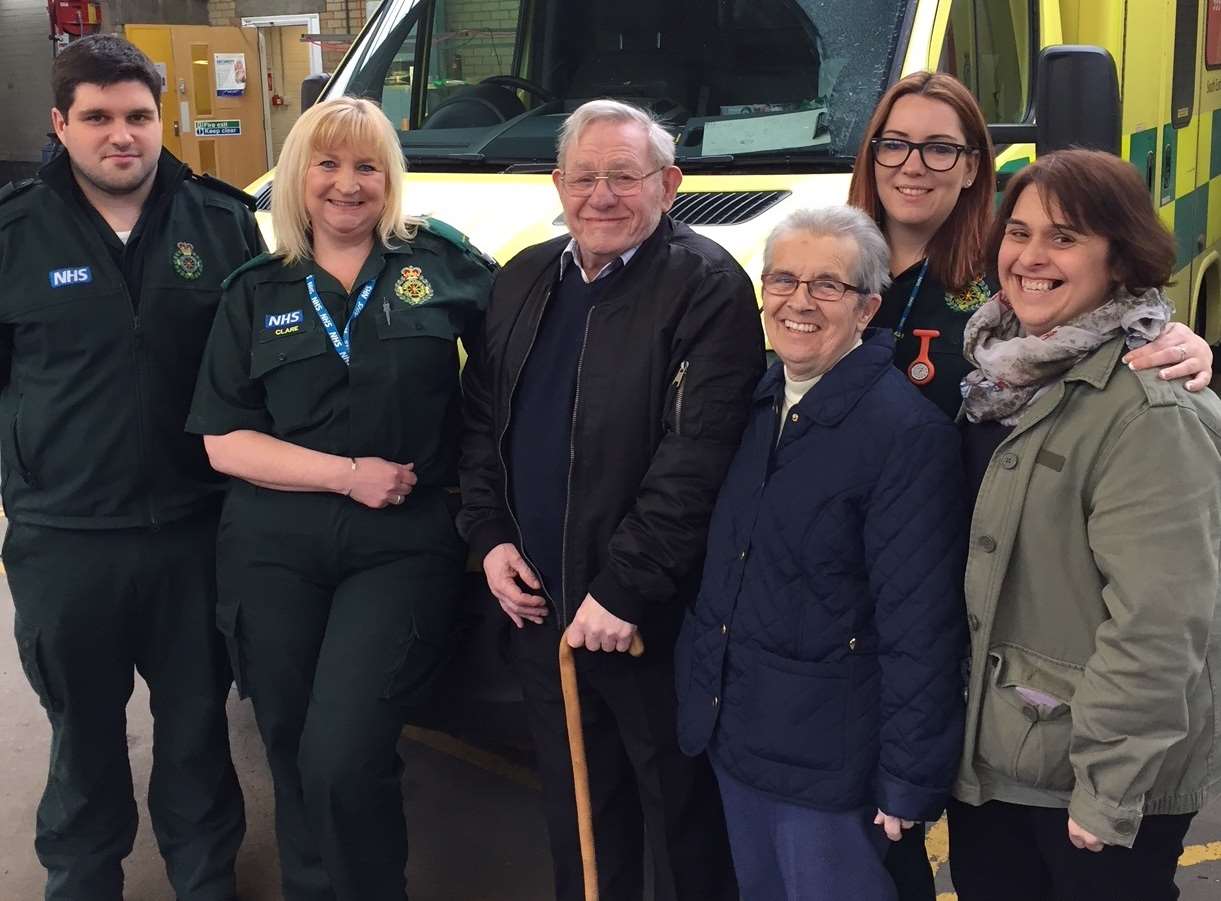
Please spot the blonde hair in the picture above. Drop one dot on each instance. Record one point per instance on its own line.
(351, 122)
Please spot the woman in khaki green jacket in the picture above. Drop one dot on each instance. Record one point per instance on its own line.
(1092, 582)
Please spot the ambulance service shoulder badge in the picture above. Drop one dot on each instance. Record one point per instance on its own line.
(970, 298)
(412, 287)
(187, 262)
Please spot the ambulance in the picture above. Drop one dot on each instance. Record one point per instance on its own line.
(767, 101)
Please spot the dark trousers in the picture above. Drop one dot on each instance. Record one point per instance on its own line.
(1010, 852)
(907, 863)
(338, 616)
(91, 608)
(641, 785)
(786, 852)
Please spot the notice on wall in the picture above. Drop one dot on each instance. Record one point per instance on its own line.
(230, 71)
(217, 128)
(161, 70)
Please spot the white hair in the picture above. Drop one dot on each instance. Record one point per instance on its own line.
(661, 144)
(873, 255)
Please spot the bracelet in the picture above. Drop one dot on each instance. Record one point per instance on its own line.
(348, 493)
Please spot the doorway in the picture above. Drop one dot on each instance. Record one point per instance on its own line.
(211, 113)
(286, 61)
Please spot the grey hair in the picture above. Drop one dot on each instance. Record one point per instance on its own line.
(873, 254)
(661, 144)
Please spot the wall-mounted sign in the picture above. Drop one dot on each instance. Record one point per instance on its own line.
(230, 74)
(160, 67)
(217, 128)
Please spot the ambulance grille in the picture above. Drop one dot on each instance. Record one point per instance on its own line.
(723, 207)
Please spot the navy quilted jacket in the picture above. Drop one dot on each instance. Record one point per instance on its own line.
(822, 662)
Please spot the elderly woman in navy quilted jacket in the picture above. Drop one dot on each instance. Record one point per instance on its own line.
(821, 666)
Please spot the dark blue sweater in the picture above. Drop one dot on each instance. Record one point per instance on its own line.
(540, 433)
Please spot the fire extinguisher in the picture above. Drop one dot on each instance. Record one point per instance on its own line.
(73, 18)
(276, 99)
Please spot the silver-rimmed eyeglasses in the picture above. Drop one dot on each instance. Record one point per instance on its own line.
(782, 284)
(621, 184)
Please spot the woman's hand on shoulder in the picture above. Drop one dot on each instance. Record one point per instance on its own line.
(1184, 354)
(378, 483)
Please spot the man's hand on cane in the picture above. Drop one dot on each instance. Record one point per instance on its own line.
(597, 629)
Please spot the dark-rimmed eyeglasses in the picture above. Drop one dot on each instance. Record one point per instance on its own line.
(781, 284)
(621, 184)
(939, 156)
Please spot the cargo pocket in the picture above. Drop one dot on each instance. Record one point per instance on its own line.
(226, 622)
(417, 662)
(796, 711)
(29, 649)
(1024, 741)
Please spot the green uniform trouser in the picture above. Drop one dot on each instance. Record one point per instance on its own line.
(338, 616)
(92, 606)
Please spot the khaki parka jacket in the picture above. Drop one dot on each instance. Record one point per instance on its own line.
(1092, 578)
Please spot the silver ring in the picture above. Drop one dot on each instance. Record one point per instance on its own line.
(398, 499)
(1182, 352)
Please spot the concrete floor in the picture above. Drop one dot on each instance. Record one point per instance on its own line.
(476, 830)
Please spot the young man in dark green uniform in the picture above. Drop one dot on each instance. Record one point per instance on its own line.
(110, 268)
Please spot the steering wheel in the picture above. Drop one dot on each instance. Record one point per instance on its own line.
(521, 84)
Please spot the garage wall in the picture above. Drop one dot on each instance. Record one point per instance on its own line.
(116, 13)
(25, 90)
(334, 18)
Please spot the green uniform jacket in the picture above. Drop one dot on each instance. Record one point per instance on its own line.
(97, 359)
(1093, 578)
(270, 366)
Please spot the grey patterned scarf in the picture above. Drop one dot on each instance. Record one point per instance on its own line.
(1013, 367)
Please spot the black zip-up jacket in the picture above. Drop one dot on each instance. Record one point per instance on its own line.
(100, 344)
(669, 361)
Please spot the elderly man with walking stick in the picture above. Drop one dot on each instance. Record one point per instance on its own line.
(612, 390)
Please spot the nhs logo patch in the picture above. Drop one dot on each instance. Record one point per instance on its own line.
(283, 320)
(75, 275)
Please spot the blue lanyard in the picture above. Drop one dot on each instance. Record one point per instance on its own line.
(911, 300)
(342, 343)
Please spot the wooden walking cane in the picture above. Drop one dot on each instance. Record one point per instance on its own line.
(580, 765)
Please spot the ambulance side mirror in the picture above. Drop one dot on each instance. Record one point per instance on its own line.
(1077, 99)
(311, 87)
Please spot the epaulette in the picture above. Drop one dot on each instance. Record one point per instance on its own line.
(261, 260)
(14, 188)
(1158, 391)
(447, 232)
(223, 187)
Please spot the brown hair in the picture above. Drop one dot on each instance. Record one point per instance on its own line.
(956, 253)
(101, 59)
(1098, 194)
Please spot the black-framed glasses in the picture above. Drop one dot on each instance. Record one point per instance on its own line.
(940, 156)
(621, 184)
(781, 284)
